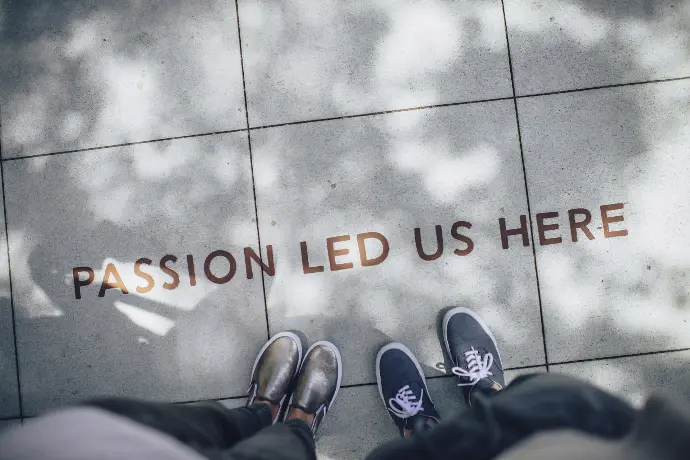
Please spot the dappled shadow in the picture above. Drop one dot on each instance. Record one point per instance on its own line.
(307, 60)
(9, 400)
(73, 77)
(86, 74)
(391, 175)
(626, 149)
(116, 207)
(634, 378)
(568, 44)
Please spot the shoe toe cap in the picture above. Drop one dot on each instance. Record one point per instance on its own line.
(318, 381)
(276, 369)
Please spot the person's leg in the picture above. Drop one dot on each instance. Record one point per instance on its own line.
(209, 426)
(495, 419)
(494, 424)
(478, 365)
(317, 386)
(289, 440)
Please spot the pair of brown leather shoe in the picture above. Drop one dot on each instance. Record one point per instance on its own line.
(312, 383)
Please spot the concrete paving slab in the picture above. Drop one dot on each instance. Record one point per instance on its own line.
(635, 378)
(9, 395)
(81, 75)
(186, 328)
(391, 174)
(563, 45)
(85, 74)
(306, 60)
(619, 157)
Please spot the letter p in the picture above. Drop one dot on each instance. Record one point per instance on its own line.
(78, 282)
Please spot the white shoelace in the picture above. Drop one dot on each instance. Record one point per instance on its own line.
(477, 367)
(405, 403)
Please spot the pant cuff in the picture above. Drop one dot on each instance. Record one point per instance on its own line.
(301, 429)
(262, 412)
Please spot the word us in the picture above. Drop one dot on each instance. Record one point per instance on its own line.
(579, 220)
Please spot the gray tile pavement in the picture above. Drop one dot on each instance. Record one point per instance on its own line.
(179, 335)
(391, 174)
(83, 76)
(625, 292)
(86, 74)
(306, 60)
(563, 45)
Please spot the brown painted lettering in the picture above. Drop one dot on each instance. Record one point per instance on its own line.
(420, 249)
(191, 270)
(250, 255)
(465, 239)
(78, 282)
(522, 230)
(333, 253)
(231, 272)
(365, 261)
(606, 220)
(110, 270)
(542, 228)
(148, 278)
(169, 271)
(305, 260)
(574, 225)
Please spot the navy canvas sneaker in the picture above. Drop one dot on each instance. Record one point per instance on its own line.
(472, 348)
(403, 389)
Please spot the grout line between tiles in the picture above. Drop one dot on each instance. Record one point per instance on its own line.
(126, 144)
(345, 117)
(444, 376)
(9, 275)
(477, 101)
(366, 384)
(524, 174)
(357, 385)
(631, 355)
(194, 401)
(383, 112)
(516, 368)
(251, 166)
(614, 85)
